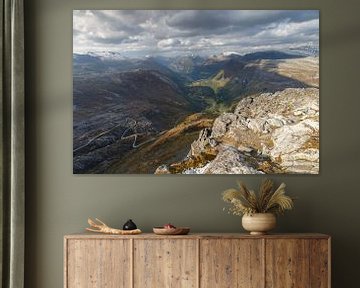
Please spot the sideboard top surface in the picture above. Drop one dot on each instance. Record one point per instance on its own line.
(86, 235)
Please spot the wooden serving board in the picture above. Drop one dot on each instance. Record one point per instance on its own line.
(171, 231)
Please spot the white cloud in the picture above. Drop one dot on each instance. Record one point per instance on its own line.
(207, 32)
(286, 29)
(168, 43)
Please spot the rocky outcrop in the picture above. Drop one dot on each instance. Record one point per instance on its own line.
(269, 133)
(227, 161)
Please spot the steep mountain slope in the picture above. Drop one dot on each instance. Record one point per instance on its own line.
(167, 147)
(269, 133)
(269, 55)
(304, 69)
(132, 115)
(108, 108)
(237, 78)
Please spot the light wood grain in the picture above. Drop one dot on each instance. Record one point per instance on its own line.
(287, 263)
(231, 263)
(98, 264)
(165, 263)
(87, 235)
(205, 260)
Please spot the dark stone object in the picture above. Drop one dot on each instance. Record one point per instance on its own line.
(129, 225)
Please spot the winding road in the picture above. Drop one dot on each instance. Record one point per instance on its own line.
(123, 137)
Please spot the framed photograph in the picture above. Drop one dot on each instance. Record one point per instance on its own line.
(195, 92)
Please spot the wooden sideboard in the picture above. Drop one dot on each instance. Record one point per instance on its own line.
(197, 260)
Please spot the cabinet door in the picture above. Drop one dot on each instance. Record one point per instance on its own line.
(287, 263)
(167, 263)
(320, 263)
(98, 263)
(231, 263)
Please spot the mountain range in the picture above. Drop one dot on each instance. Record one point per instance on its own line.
(132, 115)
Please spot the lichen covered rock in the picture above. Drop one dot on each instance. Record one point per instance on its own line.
(269, 133)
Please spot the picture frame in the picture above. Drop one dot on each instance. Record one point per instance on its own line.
(167, 92)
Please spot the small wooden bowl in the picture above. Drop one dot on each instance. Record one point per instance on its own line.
(171, 231)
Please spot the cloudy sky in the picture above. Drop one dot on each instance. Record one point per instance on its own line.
(204, 32)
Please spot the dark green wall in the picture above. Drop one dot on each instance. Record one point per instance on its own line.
(59, 202)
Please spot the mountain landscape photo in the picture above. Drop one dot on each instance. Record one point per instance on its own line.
(195, 92)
